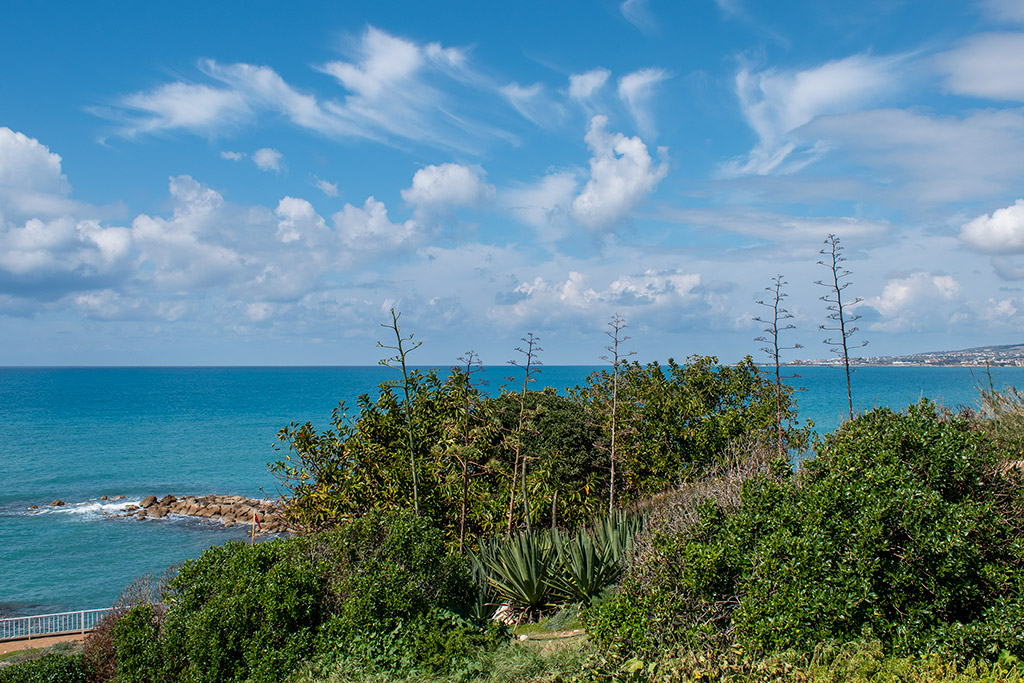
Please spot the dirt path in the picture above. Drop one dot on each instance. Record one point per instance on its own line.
(38, 643)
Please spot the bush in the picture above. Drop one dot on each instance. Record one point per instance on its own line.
(379, 591)
(50, 668)
(899, 526)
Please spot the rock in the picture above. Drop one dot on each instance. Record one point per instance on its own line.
(158, 511)
(33, 507)
(118, 498)
(229, 523)
(167, 500)
(104, 498)
(130, 508)
(148, 501)
(57, 503)
(141, 514)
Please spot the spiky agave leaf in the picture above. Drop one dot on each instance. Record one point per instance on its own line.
(583, 569)
(518, 568)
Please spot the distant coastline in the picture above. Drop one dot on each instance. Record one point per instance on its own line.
(1011, 355)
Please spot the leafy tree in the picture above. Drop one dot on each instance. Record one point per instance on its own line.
(685, 416)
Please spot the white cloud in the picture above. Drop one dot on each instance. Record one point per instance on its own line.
(938, 159)
(368, 228)
(186, 105)
(298, 220)
(622, 174)
(545, 205)
(180, 252)
(394, 89)
(267, 159)
(32, 182)
(776, 103)
(583, 87)
(534, 104)
(915, 302)
(1006, 10)
(232, 156)
(987, 65)
(328, 188)
(547, 302)
(1000, 233)
(636, 90)
(448, 185)
(637, 13)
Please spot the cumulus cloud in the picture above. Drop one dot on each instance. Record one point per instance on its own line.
(299, 220)
(999, 233)
(622, 174)
(448, 185)
(987, 65)
(777, 102)
(915, 302)
(32, 182)
(267, 159)
(636, 90)
(232, 156)
(542, 301)
(368, 228)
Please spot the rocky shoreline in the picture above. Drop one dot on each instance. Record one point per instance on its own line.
(229, 510)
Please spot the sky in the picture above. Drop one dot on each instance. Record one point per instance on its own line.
(259, 183)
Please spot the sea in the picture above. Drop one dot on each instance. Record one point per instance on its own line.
(77, 434)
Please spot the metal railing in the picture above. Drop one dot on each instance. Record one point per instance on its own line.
(40, 625)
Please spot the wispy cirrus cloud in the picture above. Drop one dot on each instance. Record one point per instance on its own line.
(636, 91)
(778, 102)
(392, 90)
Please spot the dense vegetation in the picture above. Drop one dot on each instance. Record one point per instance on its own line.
(896, 552)
(673, 421)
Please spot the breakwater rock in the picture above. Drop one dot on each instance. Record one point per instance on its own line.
(229, 510)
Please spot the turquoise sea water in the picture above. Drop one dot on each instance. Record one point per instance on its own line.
(80, 433)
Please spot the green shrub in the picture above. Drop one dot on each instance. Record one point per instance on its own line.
(136, 645)
(898, 526)
(50, 668)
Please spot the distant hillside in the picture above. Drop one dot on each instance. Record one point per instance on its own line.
(1007, 355)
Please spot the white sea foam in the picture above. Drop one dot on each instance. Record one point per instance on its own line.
(94, 508)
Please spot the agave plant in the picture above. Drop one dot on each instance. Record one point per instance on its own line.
(583, 570)
(518, 569)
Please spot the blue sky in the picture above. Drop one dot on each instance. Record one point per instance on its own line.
(258, 183)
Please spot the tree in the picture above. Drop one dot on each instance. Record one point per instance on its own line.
(617, 325)
(772, 348)
(837, 308)
(398, 361)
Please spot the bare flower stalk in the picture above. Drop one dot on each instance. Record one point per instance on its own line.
(837, 308)
(775, 324)
(530, 368)
(470, 365)
(398, 361)
(617, 325)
